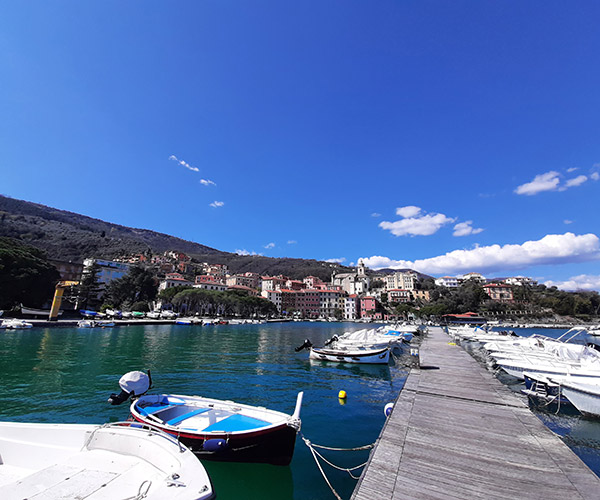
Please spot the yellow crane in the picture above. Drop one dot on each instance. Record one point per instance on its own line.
(58, 294)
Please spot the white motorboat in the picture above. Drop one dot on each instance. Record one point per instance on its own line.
(86, 323)
(93, 462)
(584, 396)
(153, 315)
(15, 324)
(356, 355)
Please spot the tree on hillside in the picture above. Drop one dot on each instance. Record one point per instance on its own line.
(26, 276)
(88, 289)
(137, 286)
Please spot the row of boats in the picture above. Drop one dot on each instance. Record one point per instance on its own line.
(565, 369)
(366, 346)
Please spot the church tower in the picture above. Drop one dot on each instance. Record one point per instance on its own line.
(361, 269)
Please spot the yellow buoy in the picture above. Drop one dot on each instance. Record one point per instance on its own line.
(342, 395)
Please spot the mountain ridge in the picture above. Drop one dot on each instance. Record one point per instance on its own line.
(70, 236)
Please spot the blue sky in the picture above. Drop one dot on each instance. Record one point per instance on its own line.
(444, 136)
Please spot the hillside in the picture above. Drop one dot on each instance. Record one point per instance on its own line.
(73, 237)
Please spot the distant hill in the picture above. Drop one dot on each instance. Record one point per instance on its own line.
(73, 237)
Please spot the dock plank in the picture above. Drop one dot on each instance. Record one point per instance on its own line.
(457, 433)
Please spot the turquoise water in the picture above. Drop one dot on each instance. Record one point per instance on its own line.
(66, 374)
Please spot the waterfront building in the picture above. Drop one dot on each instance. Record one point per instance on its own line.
(369, 308)
(69, 271)
(499, 292)
(249, 280)
(173, 279)
(353, 283)
(401, 281)
(108, 270)
(447, 281)
(273, 282)
(350, 307)
(398, 295)
(211, 285)
(329, 302)
(273, 296)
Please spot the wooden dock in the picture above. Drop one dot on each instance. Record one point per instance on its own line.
(457, 433)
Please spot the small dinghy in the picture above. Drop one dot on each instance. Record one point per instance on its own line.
(93, 462)
(367, 356)
(214, 429)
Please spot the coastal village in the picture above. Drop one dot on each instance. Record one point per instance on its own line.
(359, 294)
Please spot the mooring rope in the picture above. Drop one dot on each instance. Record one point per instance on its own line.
(316, 455)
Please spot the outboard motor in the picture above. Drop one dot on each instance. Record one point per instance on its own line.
(332, 339)
(132, 384)
(307, 345)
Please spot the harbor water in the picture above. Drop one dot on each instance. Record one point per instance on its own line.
(66, 374)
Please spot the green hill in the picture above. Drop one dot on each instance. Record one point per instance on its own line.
(73, 237)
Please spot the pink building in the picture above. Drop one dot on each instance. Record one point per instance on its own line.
(368, 307)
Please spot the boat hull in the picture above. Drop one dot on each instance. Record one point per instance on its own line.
(371, 357)
(584, 397)
(273, 446)
(223, 430)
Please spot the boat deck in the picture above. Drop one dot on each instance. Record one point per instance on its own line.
(457, 433)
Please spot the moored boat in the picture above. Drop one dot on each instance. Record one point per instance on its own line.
(15, 324)
(352, 355)
(93, 462)
(584, 396)
(214, 429)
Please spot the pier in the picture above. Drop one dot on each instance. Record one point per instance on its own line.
(456, 432)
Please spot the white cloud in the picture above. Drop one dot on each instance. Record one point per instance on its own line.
(543, 182)
(576, 181)
(571, 170)
(207, 182)
(270, 245)
(466, 229)
(292, 242)
(424, 225)
(595, 176)
(567, 221)
(246, 252)
(551, 249)
(582, 282)
(336, 261)
(217, 204)
(408, 211)
(375, 214)
(184, 164)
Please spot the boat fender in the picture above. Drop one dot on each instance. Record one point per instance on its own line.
(215, 445)
(387, 409)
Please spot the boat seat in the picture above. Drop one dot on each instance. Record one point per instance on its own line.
(185, 416)
(155, 408)
(236, 423)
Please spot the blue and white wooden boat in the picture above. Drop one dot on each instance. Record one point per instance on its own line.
(223, 430)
